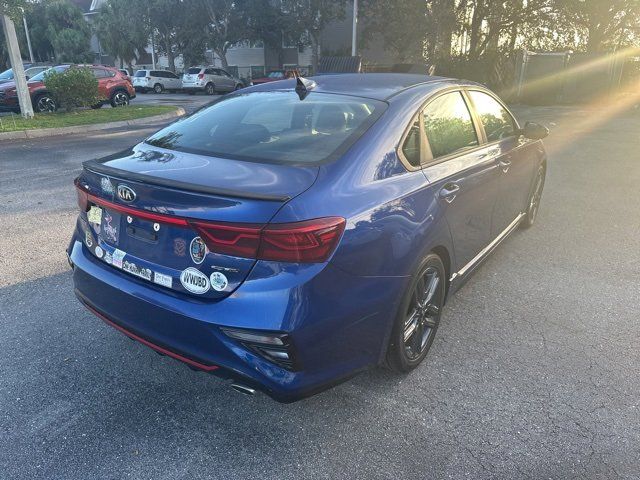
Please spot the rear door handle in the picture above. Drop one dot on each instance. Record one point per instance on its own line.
(449, 191)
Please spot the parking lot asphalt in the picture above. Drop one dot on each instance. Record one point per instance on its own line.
(188, 102)
(534, 374)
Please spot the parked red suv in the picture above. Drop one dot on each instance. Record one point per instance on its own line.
(113, 87)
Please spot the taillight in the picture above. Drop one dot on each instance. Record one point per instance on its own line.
(83, 198)
(201, 76)
(310, 241)
(236, 240)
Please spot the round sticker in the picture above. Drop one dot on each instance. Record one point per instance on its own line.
(99, 252)
(218, 281)
(198, 250)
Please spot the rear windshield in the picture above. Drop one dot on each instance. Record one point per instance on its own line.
(273, 127)
(141, 73)
(193, 70)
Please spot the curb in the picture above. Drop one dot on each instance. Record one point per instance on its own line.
(51, 132)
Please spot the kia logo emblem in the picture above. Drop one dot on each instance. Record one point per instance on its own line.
(126, 194)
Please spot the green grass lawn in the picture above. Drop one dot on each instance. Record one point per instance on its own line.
(106, 114)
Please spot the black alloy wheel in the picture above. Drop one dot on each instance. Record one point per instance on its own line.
(120, 99)
(419, 316)
(533, 205)
(45, 103)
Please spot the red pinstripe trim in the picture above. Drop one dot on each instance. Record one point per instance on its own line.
(136, 212)
(157, 348)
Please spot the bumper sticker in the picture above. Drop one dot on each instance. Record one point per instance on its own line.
(94, 215)
(194, 281)
(198, 250)
(117, 257)
(218, 281)
(162, 279)
(133, 269)
(111, 227)
(106, 185)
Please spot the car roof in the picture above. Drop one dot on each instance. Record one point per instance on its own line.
(377, 86)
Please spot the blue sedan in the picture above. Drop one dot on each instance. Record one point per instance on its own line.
(293, 234)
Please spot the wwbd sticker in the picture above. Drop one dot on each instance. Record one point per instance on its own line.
(194, 281)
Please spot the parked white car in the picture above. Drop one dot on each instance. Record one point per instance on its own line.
(156, 80)
(209, 80)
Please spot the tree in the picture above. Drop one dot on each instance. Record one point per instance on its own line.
(225, 26)
(13, 8)
(120, 31)
(59, 31)
(310, 17)
(163, 16)
(601, 24)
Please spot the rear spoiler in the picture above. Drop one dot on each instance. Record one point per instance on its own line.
(97, 167)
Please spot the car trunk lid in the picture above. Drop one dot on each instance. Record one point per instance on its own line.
(144, 208)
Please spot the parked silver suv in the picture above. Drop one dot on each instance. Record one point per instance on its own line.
(156, 80)
(209, 80)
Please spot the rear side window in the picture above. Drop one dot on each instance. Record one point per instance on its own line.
(497, 121)
(448, 125)
(411, 146)
(273, 127)
(100, 73)
(193, 70)
(141, 73)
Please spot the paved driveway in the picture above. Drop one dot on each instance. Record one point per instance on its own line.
(535, 372)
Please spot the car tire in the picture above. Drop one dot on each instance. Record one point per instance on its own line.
(44, 103)
(239, 86)
(533, 202)
(418, 317)
(210, 89)
(158, 88)
(119, 98)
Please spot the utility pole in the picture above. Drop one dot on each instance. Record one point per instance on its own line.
(26, 31)
(354, 34)
(24, 99)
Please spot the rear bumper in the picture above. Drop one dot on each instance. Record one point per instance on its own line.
(192, 87)
(332, 344)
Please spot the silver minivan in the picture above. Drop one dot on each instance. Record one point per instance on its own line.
(209, 80)
(156, 80)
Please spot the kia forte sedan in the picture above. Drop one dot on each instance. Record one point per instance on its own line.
(293, 234)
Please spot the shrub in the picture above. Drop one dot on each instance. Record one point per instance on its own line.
(75, 87)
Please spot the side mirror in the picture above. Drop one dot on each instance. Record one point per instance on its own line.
(27, 77)
(534, 131)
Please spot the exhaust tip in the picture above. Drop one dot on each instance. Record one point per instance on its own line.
(243, 389)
